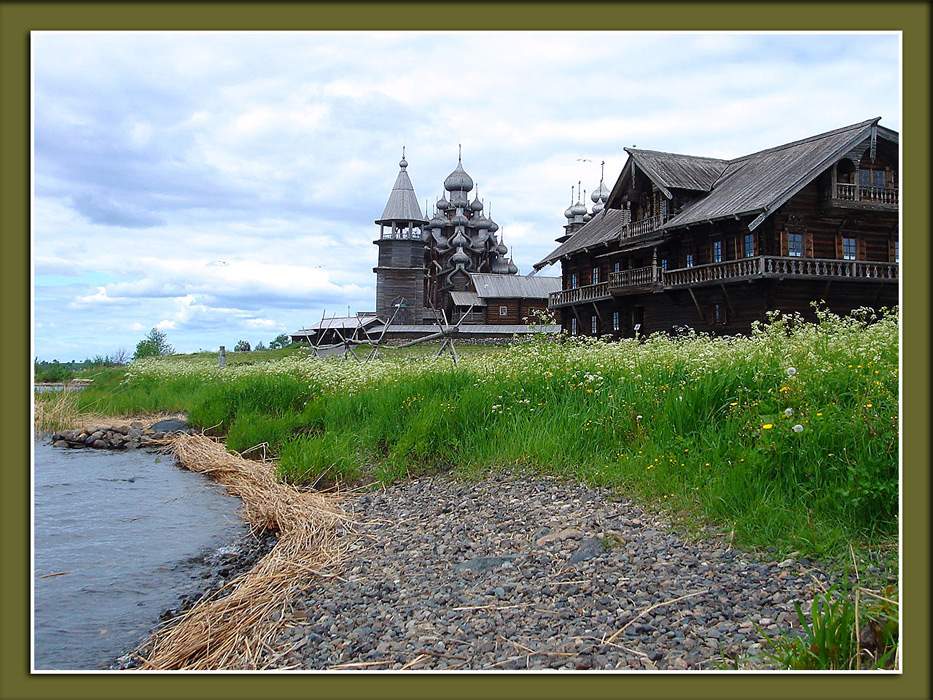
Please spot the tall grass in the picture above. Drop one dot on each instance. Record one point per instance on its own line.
(789, 437)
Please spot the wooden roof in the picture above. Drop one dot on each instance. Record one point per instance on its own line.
(491, 286)
(600, 229)
(755, 185)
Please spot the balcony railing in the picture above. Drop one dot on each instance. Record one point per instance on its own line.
(654, 277)
(640, 227)
(870, 195)
(636, 277)
(577, 295)
(773, 266)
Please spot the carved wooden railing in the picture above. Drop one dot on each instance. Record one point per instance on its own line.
(640, 227)
(577, 295)
(746, 268)
(772, 266)
(860, 193)
(636, 277)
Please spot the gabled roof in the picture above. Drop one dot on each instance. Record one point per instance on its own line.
(403, 203)
(677, 171)
(601, 228)
(753, 185)
(761, 182)
(490, 286)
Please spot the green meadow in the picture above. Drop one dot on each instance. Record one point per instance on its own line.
(787, 439)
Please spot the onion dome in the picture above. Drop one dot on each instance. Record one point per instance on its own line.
(443, 204)
(587, 216)
(501, 249)
(459, 219)
(437, 222)
(481, 223)
(476, 205)
(493, 226)
(578, 209)
(458, 180)
(459, 239)
(601, 195)
(513, 268)
(460, 258)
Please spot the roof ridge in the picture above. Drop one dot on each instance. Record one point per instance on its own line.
(815, 137)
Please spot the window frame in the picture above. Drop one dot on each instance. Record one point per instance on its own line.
(795, 251)
(716, 250)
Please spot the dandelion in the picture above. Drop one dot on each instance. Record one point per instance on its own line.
(638, 417)
(791, 371)
(784, 388)
(767, 426)
(798, 428)
(868, 405)
(788, 412)
(734, 403)
(819, 414)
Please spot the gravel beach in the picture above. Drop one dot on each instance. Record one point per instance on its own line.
(522, 571)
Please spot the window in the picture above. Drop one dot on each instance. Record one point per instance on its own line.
(503, 310)
(664, 264)
(848, 249)
(618, 267)
(897, 251)
(616, 320)
(573, 280)
(871, 178)
(573, 326)
(749, 245)
(689, 259)
(593, 325)
(717, 251)
(717, 314)
(595, 277)
(795, 245)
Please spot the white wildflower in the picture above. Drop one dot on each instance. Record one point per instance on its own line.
(798, 428)
(791, 371)
(788, 412)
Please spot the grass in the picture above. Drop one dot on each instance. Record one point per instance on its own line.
(787, 438)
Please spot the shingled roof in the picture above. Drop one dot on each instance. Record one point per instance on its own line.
(753, 185)
(514, 286)
(403, 203)
(761, 182)
(601, 228)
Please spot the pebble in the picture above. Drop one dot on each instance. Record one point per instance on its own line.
(523, 571)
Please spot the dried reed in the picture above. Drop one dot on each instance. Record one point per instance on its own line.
(232, 629)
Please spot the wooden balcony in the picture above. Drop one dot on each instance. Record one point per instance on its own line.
(848, 196)
(640, 227)
(579, 295)
(653, 278)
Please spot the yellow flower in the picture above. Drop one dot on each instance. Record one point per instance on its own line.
(868, 405)
(819, 414)
(767, 426)
(734, 403)
(785, 388)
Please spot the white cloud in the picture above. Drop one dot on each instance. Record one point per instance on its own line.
(225, 185)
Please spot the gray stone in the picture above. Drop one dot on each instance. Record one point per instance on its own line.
(481, 564)
(168, 424)
(588, 549)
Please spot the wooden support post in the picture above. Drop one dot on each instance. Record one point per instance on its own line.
(728, 300)
(695, 303)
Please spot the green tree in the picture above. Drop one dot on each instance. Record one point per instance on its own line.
(280, 341)
(241, 346)
(155, 344)
(260, 346)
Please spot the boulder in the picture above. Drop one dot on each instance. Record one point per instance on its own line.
(169, 424)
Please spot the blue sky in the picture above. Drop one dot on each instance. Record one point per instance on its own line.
(223, 185)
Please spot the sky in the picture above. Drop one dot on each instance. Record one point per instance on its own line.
(223, 186)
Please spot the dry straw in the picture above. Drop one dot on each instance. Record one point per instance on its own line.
(232, 629)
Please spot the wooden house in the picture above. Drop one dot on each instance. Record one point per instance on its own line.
(712, 244)
(504, 300)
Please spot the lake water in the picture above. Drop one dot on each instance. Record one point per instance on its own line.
(126, 532)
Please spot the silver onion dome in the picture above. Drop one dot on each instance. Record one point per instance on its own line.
(458, 180)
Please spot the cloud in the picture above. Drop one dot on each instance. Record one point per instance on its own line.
(226, 184)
